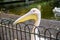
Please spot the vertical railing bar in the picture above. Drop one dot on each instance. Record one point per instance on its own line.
(17, 32)
(0, 37)
(39, 34)
(2, 31)
(35, 33)
(49, 33)
(45, 34)
(6, 32)
(29, 30)
(9, 32)
(12, 31)
(34, 36)
(20, 31)
(29, 35)
(57, 35)
(25, 33)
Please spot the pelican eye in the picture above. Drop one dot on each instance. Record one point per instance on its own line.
(33, 10)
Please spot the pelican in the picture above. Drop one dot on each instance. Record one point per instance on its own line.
(34, 14)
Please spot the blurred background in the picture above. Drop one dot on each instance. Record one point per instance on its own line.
(20, 7)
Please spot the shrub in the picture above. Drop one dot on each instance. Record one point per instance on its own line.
(19, 11)
(46, 11)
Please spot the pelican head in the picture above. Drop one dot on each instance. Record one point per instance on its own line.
(34, 14)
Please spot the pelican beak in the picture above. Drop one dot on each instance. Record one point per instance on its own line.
(26, 17)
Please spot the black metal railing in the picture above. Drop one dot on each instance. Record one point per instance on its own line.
(23, 31)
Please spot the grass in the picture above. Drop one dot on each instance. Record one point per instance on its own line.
(19, 11)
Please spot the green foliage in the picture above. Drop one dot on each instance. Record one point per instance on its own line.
(46, 11)
(57, 3)
(1, 0)
(19, 11)
(45, 0)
